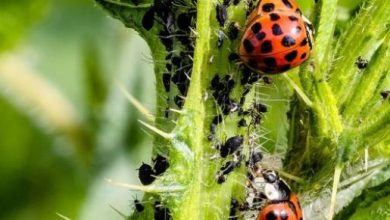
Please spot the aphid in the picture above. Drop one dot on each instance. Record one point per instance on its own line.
(242, 123)
(160, 212)
(233, 57)
(161, 164)
(234, 204)
(138, 205)
(146, 174)
(385, 93)
(231, 145)
(259, 107)
(282, 204)
(361, 63)
(233, 30)
(184, 20)
(267, 80)
(221, 14)
(220, 37)
(217, 119)
(148, 19)
(277, 37)
(179, 101)
(166, 81)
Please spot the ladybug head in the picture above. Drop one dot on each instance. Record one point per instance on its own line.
(276, 189)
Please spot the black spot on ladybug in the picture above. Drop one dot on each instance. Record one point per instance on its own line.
(270, 62)
(268, 7)
(291, 56)
(161, 164)
(248, 46)
(233, 31)
(146, 174)
(296, 30)
(274, 16)
(148, 19)
(271, 216)
(166, 81)
(304, 42)
(138, 206)
(221, 14)
(256, 27)
(303, 56)
(285, 67)
(287, 4)
(292, 18)
(252, 63)
(288, 41)
(361, 63)
(292, 207)
(266, 46)
(260, 36)
(276, 30)
(233, 57)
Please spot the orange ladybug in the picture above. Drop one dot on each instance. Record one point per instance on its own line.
(282, 204)
(277, 37)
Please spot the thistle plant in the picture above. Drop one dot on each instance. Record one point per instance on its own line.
(337, 148)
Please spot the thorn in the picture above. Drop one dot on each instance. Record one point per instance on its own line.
(62, 216)
(119, 212)
(366, 159)
(135, 102)
(156, 130)
(298, 90)
(177, 111)
(292, 177)
(336, 181)
(148, 189)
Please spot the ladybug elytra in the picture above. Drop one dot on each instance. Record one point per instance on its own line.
(282, 204)
(277, 37)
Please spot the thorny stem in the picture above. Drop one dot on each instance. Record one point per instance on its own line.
(322, 135)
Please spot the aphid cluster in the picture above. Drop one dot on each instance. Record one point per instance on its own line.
(147, 174)
(176, 19)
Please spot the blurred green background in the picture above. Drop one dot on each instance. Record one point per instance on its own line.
(65, 125)
(58, 65)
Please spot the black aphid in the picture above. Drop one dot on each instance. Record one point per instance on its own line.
(221, 14)
(146, 174)
(138, 206)
(161, 164)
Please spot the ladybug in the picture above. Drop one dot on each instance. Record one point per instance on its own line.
(282, 204)
(277, 37)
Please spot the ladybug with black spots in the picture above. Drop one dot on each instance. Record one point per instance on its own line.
(282, 204)
(277, 37)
